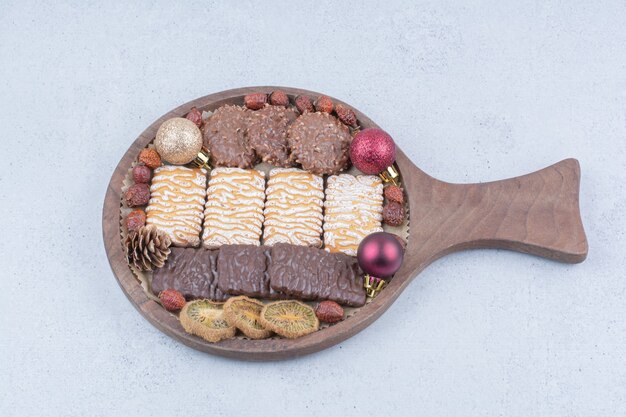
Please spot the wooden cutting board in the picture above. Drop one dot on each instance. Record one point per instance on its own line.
(536, 214)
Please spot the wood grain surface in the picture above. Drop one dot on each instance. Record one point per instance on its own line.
(536, 213)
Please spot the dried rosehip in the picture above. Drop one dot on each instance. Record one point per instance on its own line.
(172, 300)
(394, 193)
(137, 195)
(279, 98)
(346, 115)
(329, 312)
(150, 158)
(142, 174)
(195, 116)
(324, 104)
(304, 104)
(393, 213)
(135, 220)
(255, 101)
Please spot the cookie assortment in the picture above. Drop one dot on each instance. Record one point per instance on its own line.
(239, 239)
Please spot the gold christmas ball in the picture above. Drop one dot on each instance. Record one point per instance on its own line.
(178, 141)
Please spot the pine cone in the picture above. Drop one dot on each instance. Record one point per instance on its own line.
(147, 248)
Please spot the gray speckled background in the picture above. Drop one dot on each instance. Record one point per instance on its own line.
(471, 93)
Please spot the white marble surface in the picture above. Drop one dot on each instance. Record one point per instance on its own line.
(470, 92)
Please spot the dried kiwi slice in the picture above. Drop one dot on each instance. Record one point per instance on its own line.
(243, 313)
(205, 318)
(289, 318)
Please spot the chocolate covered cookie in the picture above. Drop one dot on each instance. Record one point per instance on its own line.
(225, 136)
(191, 272)
(267, 134)
(242, 270)
(320, 143)
(313, 274)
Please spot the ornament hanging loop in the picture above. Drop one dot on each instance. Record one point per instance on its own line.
(202, 159)
(373, 285)
(391, 175)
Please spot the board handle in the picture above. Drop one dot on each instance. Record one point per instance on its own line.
(536, 213)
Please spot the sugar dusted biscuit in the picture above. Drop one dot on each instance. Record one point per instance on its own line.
(293, 210)
(353, 210)
(234, 207)
(176, 203)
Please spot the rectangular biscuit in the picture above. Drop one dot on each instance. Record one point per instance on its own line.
(234, 208)
(242, 270)
(190, 271)
(176, 203)
(293, 209)
(310, 273)
(352, 210)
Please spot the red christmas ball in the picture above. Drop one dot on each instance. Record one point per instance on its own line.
(380, 254)
(372, 151)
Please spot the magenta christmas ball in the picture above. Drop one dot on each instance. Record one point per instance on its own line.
(372, 151)
(380, 254)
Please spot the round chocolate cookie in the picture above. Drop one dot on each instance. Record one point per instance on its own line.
(267, 134)
(320, 142)
(225, 136)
